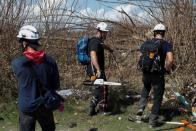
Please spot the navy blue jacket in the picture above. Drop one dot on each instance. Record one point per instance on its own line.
(29, 87)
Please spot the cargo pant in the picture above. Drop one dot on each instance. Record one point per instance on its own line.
(100, 93)
(157, 82)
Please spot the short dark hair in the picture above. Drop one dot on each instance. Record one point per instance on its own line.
(32, 43)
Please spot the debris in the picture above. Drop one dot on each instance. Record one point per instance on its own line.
(79, 94)
(72, 124)
(189, 91)
(65, 93)
(134, 97)
(182, 101)
(130, 129)
(135, 118)
(55, 120)
(170, 103)
(139, 119)
(193, 119)
(189, 125)
(182, 123)
(194, 111)
(119, 118)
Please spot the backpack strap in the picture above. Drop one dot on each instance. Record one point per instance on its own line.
(92, 67)
(160, 48)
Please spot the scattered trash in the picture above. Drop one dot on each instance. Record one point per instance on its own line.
(55, 120)
(119, 118)
(65, 93)
(194, 111)
(187, 124)
(170, 103)
(130, 129)
(135, 118)
(133, 97)
(72, 124)
(139, 119)
(182, 101)
(124, 54)
(193, 119)
(189, 91)
(77, 94)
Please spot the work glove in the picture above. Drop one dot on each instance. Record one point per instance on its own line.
(98, 74)
(93, 78)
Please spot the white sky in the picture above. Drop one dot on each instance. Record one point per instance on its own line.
(94, 8)
(103, 10)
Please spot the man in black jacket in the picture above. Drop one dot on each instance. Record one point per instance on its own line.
(155, 77)
(96, 68)
(25, 67)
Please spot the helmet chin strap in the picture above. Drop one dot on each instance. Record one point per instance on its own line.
(23, 48)
(23, 45)
(101, 36)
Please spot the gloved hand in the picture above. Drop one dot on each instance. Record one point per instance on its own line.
(93, 78)
(98, 74)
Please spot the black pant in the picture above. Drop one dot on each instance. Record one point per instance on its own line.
(100, 93)
(157, 82)
(100, 96)
(43, 116)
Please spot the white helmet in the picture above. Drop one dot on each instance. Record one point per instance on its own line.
(159, 27)
(102, 26)
(28, 32)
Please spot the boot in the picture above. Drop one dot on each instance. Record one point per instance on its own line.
(92, 111)
(140, 112)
